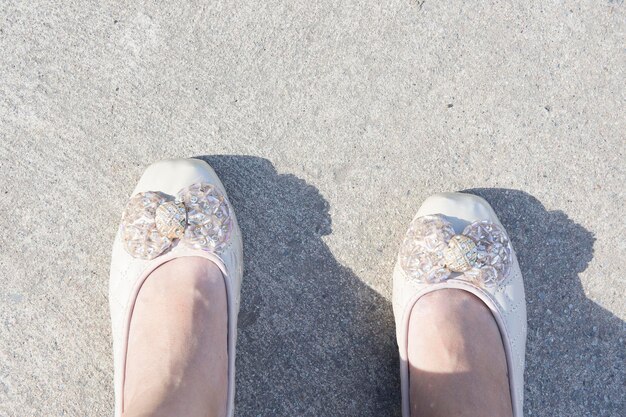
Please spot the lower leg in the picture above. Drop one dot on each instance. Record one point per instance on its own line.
(456, 358)
(177, 359)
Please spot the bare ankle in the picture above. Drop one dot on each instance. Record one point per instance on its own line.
(456, 358)
(177, 353)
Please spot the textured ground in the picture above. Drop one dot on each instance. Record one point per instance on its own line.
(339, 118)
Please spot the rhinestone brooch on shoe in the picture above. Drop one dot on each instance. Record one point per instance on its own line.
(431, 252)
(199, 216)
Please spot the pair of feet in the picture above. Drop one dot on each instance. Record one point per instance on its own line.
(177, 350)
(176, 273)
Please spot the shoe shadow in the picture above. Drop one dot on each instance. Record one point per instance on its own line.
(575, 356)
(313, 339)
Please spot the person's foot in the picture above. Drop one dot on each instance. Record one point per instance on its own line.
(457, 363)
(174, 288)
(460, 311)
(177, 359)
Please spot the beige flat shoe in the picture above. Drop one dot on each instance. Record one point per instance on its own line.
(457, 241)
(179, 208)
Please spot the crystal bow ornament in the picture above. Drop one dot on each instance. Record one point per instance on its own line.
(199, 216)
(431, 252)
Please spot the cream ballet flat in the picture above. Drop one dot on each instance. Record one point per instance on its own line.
(457, 241)
(179, 208)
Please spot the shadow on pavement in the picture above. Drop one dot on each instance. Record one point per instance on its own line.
(313, 339)
(575, 357)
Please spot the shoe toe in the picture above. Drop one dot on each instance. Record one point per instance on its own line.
(460, 209)
(171, 175)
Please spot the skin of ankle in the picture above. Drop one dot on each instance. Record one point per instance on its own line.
(457, 362)
(177, 359)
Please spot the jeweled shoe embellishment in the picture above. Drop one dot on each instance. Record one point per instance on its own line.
(171, 219)
(461, 254)
(431, 252)
(199, 216)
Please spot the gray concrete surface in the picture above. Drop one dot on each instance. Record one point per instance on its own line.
(339, 118)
